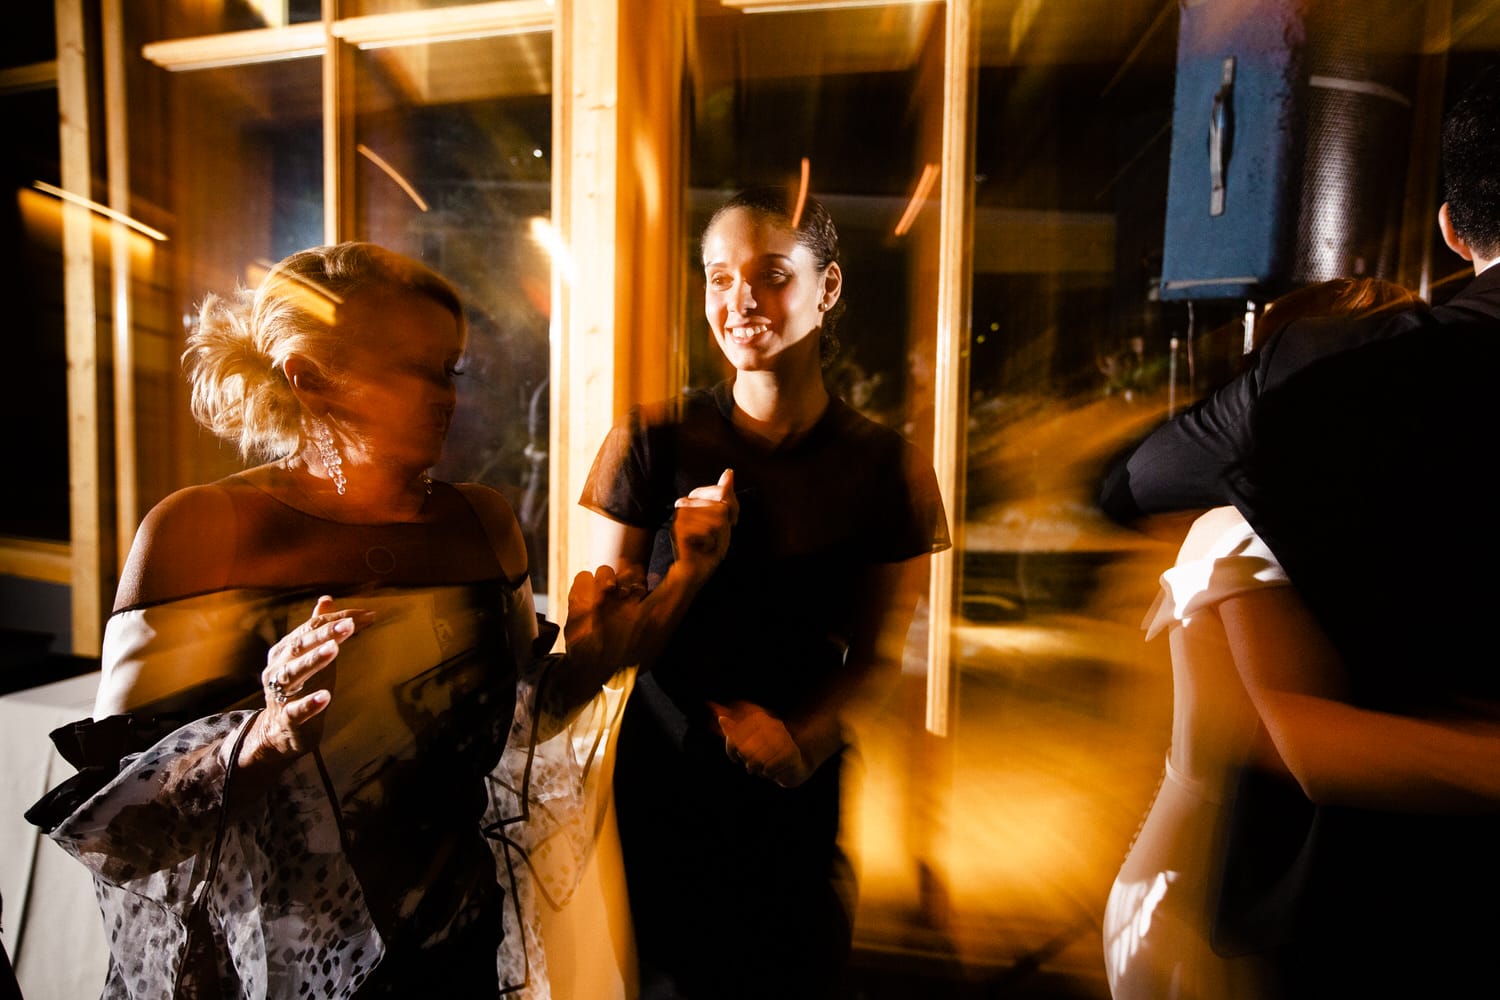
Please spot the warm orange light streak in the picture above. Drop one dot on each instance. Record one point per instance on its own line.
(801, 192)
(272, 12)
(391, 172)
(322, 303)
(924, 187)
(551, 240)
(104, 210)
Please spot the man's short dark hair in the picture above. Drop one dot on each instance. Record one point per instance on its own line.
(1471, 163)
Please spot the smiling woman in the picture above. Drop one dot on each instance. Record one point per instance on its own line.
(729, 770)
(772, 282)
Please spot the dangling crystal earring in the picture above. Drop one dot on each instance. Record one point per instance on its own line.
(427, 482)
(333, 462)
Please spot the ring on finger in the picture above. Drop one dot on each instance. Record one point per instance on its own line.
(281, 687)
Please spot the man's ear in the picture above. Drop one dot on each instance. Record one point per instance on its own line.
(1455, 242)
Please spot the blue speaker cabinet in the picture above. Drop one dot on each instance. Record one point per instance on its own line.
(1289, 129)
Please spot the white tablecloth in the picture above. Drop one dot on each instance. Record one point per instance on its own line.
(53, 931)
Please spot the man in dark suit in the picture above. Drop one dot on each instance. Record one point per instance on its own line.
(1183, 465)
(1360, 451)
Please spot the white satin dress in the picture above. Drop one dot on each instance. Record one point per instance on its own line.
(1159, 914)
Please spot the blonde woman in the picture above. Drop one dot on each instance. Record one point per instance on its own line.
(323, 677)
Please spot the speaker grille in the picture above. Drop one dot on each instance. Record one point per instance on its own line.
(1359, 73)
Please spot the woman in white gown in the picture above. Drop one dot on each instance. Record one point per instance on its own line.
(1258, 688)
(1160, 910)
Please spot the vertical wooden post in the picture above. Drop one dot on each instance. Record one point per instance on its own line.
(92, 562)
(338, 147)
(117, 158)
(950, 388)
(617, 206)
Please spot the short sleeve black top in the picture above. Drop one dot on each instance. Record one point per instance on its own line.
(774, 621)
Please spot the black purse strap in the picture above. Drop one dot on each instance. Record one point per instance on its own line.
(195, 911)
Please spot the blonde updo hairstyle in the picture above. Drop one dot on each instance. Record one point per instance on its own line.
(235, 359)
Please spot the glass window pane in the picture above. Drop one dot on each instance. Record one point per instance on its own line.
(30, 36)
(1073, 107)
(1076, 348)
(31, 235)
(228, 163)
(453, 166)
(190, 18)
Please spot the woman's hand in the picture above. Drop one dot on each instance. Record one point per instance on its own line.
(603, 629)
(290, 724)
(760, 741)
(701, 525)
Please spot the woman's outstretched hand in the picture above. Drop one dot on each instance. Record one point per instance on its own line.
(605, 616)
(290, 724)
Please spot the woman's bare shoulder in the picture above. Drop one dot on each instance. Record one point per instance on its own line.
(500, 525)
(185, 545)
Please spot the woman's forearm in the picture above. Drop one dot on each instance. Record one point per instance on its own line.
(1343, 755)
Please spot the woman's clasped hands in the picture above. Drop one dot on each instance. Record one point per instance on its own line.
(762, 743)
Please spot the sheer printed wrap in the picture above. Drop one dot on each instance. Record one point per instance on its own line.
(147, 836)
(543, 819)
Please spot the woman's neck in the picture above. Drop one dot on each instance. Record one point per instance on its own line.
(371, 495)
(776, 408)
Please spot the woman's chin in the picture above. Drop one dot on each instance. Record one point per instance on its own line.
(746, 357)
(417, 461)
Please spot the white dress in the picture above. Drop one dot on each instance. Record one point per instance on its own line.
(1160, 909)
